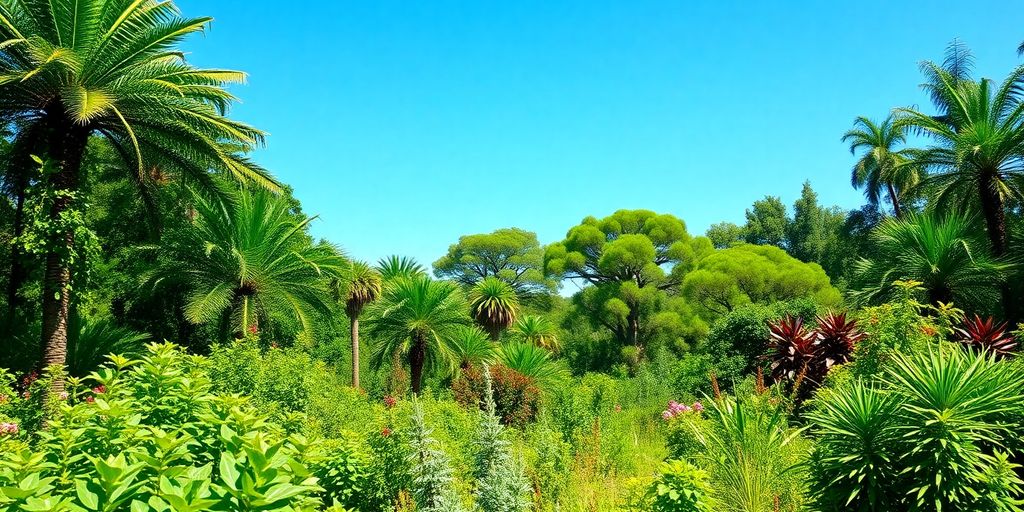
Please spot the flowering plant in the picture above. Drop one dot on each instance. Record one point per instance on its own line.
(676, 409)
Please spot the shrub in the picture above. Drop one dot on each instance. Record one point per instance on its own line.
(501, 484)
(516, 397)
(686, 428)
(342, 470)
(680, 487)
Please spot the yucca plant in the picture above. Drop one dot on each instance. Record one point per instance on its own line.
(362, 285)
(470, 346)
(836, 337)
(987, 335)
(494, 305)
(794, 349)
(537, 330)
(532, 361)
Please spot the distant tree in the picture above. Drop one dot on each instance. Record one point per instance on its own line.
(361, 286)
(537, 330)
(883, 164)
(813, 233)
(766, 222)
(724, 234)
(494, 305)
(512, 255)
(628, 257)
(395, 266)
(415, 318)
(749, 273)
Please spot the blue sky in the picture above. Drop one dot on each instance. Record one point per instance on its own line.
(407, 124)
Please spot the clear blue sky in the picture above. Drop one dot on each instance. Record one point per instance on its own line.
(406, 124)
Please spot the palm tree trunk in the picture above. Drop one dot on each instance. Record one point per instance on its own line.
(494, 332)
(355, 351)
(995, 224)
(896, 210)
(417, 358)
(67, 146)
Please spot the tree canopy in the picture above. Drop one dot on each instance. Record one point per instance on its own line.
(510, 254)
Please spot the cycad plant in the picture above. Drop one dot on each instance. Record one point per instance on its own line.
(470, 346)
(394, 266)
(362, 285)
(532, 361)
(415, 318)
(249, 261)
(883, 164)
(494, 305)
(537, 330)
(944, 254)
(112, 68)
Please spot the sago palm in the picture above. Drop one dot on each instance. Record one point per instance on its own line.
(112, 68)
(532, 361)
(471, 346)
(945, 254)
(494, 305)
(883, 164)
(362, 285)
(250, 260)
(416, 318)
(537, 330)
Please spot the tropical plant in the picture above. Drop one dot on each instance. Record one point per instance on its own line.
(532, 361)
(794, 349)
(494, 305)
(470, 346)
(73, 70)
(92, 340)
(986, 335)
(882, 164)
(250, 261)
(362, 285)
(680, 487)
(537, 330)
(395, 266)
(417, 317)
(836, 338)
(944, 254)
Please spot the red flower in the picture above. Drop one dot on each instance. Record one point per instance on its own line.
(90, 399)
(390, 401)
(253, 329)
(99, 390)
(385, 432)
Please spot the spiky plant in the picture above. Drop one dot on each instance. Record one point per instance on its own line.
(883, 165)
(987, 335)
(394, 266)
(836, 336)
(532, 361)
(92, 340)
(362, 286)
(502, 486)
(494, 305)
(537, 330)
(794, 349)
(415, 318)
(247, 262)
(432, 480)
(471, 346)
(113, 68)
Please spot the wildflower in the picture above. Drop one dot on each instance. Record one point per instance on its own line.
(390, 401)
(697, 406)
(4, 399)
(667, 415)
(618, 408)
(254, 329)
(385, 432)
(8, 428)
(273, 345)
(99, 390)
(928, 330)
(90, 399)
(26, 395)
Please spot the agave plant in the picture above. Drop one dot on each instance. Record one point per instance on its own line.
(532, 361)
(836, 337)
(794, 348)
(537, 330)
(987, 335)
(494, 305)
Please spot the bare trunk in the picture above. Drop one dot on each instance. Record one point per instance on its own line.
(417, 358)
(995, 224)
(896, 210)
(494, 332)
(355, 352)
(634, 327)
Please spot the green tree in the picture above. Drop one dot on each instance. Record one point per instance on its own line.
(813, 234)
(882, 164)
(512, 255)
(394, 266)
(537, 330)
(630, 258)
(749, 273)
(362, 286)
(767, 221)
(416, 317)
(494, 305)
(249, 261)
(110, 68)
(945, 254)
(724, 234)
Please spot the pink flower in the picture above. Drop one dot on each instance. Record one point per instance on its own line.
(8, 428)
(99, 390)
(63, 395)
(697, 406)
(667, 415)
(90, 399)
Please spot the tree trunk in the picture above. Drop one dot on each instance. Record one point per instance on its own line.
(67, 146)
(417, 358)
(494, 332)
(896, 210)
(355, 352)
(634, 327)
(995, 224)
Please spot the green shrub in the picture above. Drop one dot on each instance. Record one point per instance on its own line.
(516, 396)
(680, 487)
(342, 470)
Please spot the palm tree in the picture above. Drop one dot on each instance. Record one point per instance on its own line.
(881, 164)
(363, 286)
(471, 346)
(536, 330)
(494, 305)
(532, 361)
(395, 266)
(944, 254)
(111, 68)
(978, 141)
(249, 261)
(416, 317)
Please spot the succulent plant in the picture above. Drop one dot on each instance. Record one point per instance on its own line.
(986, 334)
(836, 336)
(794, 348)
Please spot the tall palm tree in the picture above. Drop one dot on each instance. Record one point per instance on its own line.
(362, 286)
(883, 163)
(248, 261)
(415, 318)
(537, 330)
(111, 68)
(978, 153)
(494, 305)
(944, 254)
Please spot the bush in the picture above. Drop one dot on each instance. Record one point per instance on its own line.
(342, 470)
(516, 397)
(681, 487)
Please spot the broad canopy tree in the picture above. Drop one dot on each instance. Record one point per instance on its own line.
(511, 254)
